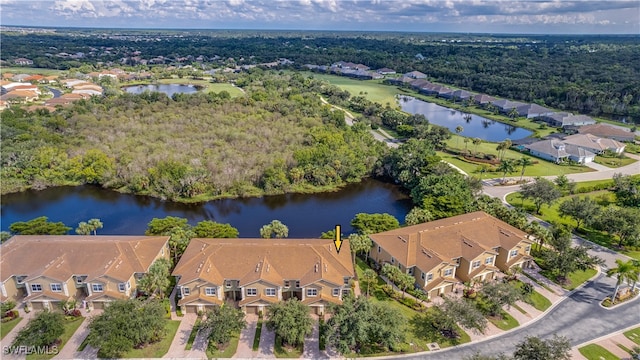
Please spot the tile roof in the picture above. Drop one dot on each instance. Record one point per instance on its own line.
(270, 260)
(593, 142)
(605, 130)
(61, 256)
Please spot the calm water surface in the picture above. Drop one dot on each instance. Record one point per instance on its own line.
(476, 126)
(306, 215)
(168, 89)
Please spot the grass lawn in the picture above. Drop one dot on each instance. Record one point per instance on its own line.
(596, 352)
(208, 86)
(70, 327)
(575, 278)
(535, 299)
(373, 90)
(28, 70)
(6, 327)
(414, 333)
(633, 335)
(507, 322)
(227, 352)
(613, 162)
(192, 335)
(256, 338)
(159, 349)
(287, 352)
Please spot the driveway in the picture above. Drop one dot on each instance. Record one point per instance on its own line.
(267, 343)
(245, 344)
(177, 347)
(70, 349)
(312, 343)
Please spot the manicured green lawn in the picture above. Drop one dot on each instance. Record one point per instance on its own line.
(217, 87)
(287, 352)
(507, 322)
(596, 352)
(373, 90)
(159, 349)
(614, 162)
(6, 327)
(70, 327)
(227, 352)
(633, 335)
(538, 301)
(575, 278)
(27, 70)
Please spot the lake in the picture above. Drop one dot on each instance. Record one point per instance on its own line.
(474, 125)
(306, 215)
(168, 89)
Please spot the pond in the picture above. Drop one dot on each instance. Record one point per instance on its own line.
(473, 125)
(306, 215)
(168, 89)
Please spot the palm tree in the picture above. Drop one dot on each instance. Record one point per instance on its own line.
(513, 113)
(499, 148)
(476, 142)
(506, 166)
(369, 278)
(95, 225)
(466, 144)
(524, 162)
(459, 129)
(625, 271)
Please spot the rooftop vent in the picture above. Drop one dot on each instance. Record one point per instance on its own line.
(403, 239)
(316, 268)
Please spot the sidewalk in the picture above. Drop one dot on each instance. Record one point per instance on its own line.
(611, 343)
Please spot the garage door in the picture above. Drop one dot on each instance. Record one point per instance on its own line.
(36, 305)
(98, 305)
(191, 309)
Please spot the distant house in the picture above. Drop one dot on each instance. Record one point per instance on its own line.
(43, 270)
(442, 253)
(565, 119)
(483, 99)
(607, 131)
(506, 106)
(595, 144)
(416, 75)
(23, 61)
(253, 273)
(462, 94)
(386, 71)
(531, 111)
(558, 151)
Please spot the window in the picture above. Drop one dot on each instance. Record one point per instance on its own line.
(527, 249)
(287, 283)
(56, 287)
(410, 271)
(513, 253)
(422, 276)
(97, 287)
(488, 260)
(346, 292)
(393, 261)
(210, 291)
(20, 279)
(297, 284)
(228, 283)
(122, 287)
(379, 249)
(270, 291)
(458, 261)
(346, 281)
(448, 272)
(79, 280)
(430, 276)
(252, 292)
(128, 285)
(475, 264)
(36, 287)
(336, 291)
(185, 291)
(162, 251)
(312, 292)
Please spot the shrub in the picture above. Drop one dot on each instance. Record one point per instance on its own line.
(6, 306)
(9, 315)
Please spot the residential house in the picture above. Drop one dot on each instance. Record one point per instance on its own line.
(483, 99)
(41, 270)
(607, 131)
(531, 111)
(565, 119)
(442, 253)
(253, 273)
(23, 61)
(416, 75)
(506, 106)
(595, 144)
(462, 94)
(385, 71)
(558, 151)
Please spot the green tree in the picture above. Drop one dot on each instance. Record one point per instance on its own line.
(627, 189)
(222, 323)
(459, 129)
(534, 348)
(368, 280)
(418, 215)
(506, 166)
(212, 229)
(179, 238)
(38, 226)
(524, 162)
(563, 258)
(125, 324)
(166, 225)
(443, 195)
(274, 229)
(498, 294)
(156, 280)
(541, 191)
(396, 276)
(410, 161)
(367, 224)
(444, 318)
(583, 210)
(95, 225)
(4, 236)
(83, 228)
(43, 330)
(359, 243)
(476, 141)
(290, 320)
(621, 221)
(624, 271)
(564, 184)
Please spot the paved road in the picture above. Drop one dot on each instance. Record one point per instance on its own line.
(579, 317)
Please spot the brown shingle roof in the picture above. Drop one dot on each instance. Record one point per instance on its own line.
(271, 260)
(60, 257)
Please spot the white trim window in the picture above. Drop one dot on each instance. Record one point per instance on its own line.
(210, 291)
(489, 260)
(527, 249)
(252, 292)
(36, 287)
(97, 288)
(513, 253)
(122, 287)
(270, 291)
(393, 260)
(379, 249)
(56, 287)
(287, 283)
(186, 291)
(475, 264)
(298, 283)
(336, 292)
(227, 283)
(448, 272)
(312, 292)
(429, 276)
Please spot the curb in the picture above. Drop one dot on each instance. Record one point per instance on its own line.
(605, 336)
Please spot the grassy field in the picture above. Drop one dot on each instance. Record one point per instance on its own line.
(596, 352)
(535, 299)
(156, 350)
(6, 327)
(206, 84)
(633, 335)
(373, 90)
(286, 352)
(613, 162)
(507, 322)
(227, 352)
(70, 327)
(27, 70)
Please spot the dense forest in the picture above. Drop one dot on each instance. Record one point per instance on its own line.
(278, 138)
(596, 75)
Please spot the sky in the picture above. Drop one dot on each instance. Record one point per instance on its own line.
(464, 16)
